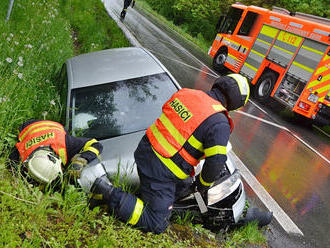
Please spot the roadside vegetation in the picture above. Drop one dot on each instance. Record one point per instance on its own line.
(34, 44)
(198, 18)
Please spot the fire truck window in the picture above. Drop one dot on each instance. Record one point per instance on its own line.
(247, 24)
(230, 22)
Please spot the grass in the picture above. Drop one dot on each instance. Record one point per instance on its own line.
(36, 41)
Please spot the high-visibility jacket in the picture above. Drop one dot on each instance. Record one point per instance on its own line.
(181, 116)
(42, 133)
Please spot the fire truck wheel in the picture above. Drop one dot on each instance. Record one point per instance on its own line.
(264, 86)
(219, 61)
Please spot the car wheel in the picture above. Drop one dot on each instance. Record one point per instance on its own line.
(264, 86)
(219, 61)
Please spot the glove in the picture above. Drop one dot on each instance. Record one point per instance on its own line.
(202, 189)
(76, 166)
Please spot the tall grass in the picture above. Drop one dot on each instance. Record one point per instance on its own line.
(34, 44)
(36, 41)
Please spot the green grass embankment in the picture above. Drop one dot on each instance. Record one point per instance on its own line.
(34, 44)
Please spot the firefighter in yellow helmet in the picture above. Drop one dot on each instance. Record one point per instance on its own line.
(46, 150)
(193, 125)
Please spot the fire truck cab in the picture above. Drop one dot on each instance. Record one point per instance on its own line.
(284, 55)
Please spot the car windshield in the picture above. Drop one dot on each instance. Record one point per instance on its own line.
(119, 108)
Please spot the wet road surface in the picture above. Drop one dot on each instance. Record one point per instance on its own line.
(290, 161)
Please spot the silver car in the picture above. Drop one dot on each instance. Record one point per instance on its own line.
(114, 96)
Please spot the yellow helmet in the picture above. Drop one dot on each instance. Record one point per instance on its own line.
(235, 88)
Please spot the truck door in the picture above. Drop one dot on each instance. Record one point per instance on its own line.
(258, 51)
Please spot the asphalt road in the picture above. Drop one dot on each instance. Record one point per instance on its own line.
(289, 160)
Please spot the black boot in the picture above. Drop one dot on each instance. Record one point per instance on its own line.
(100, 193)
(123, 14)
(255, 214)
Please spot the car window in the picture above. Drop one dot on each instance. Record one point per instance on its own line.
(119, 108)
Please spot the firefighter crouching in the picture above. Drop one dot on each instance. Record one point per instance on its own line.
(47, 150)
(194, 125)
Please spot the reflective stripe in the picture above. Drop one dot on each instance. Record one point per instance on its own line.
(196, 143)
(218, 107)
(95, 196)
(162, 141)
(323, 89)
(32, 126)
(203, 182)
(137, 212)
(171, 166)
(320, 70)
(215, 150)
(89, 143)
(93, 150)
(62, 154)
(232, 56)
(172, 130)
(326, 57)
(282, 49)
(250, 66)
(316, 82)
(243, 86)
(261, 55)
(265, 42)
(269, 31)
(303, 66)
(312, 50)
(44, 128)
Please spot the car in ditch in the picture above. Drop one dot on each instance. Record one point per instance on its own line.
(114, 95)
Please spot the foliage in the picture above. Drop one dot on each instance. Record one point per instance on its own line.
(199, 17)
(245, 235)
(92, 29)
(314, 7)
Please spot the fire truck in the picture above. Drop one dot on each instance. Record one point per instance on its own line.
(284, 55)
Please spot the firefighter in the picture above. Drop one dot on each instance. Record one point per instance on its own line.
(46, 150)
(126, 4)
(194, 125)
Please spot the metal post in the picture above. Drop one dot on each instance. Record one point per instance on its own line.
(11, 3)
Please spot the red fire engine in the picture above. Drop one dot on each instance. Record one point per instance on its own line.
(284, 55)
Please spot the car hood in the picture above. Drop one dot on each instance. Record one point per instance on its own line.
(118, 156)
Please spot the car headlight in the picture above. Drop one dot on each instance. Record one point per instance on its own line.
(224, 189)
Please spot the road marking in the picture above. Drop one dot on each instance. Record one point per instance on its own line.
(319, 129)
(286, 129)
(310, 147)
(283, 219)
(257, 106)
(195, 68)
(262, 120)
